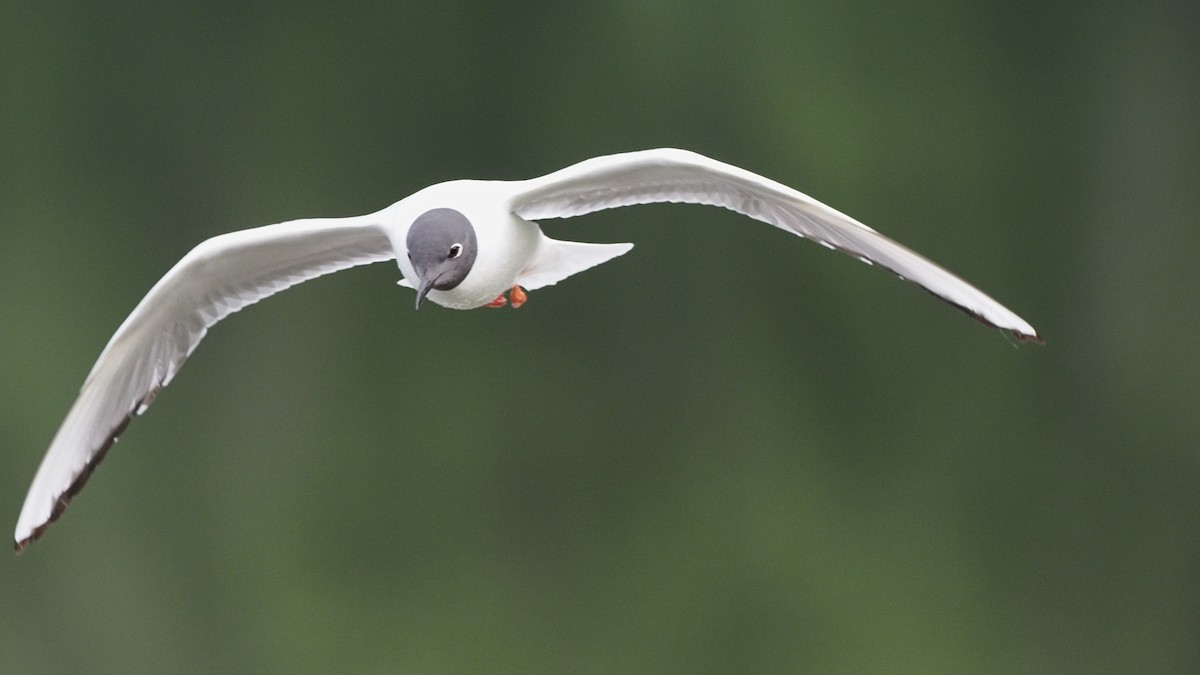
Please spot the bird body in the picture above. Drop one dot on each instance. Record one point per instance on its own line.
(506, 242)
(460, 244)
(513, 251)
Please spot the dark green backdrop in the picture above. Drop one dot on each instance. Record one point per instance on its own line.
(729, 451)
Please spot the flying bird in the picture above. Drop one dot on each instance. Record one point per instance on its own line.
(460, 244)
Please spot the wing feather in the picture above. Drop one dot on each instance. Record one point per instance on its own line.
(679, 176)
(220, 276)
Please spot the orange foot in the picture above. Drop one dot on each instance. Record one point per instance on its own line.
(516, 296)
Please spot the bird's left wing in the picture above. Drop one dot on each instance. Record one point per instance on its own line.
(667, 175)
(218, 277)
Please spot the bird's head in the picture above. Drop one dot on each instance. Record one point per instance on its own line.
(441, 247)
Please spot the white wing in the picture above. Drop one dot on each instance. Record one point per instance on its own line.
(667, 175)
(217, 278)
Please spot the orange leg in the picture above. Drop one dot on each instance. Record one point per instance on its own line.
(500, 301)
(517, 296)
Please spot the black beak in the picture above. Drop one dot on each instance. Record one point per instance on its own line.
(423, 289)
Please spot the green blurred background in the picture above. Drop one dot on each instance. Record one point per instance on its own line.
(729, 451)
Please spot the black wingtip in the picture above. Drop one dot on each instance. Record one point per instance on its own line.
(60, 504)
(1031, 339)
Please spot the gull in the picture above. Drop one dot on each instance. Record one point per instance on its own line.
(461, 244)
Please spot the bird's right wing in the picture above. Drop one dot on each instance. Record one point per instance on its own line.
(218, 277)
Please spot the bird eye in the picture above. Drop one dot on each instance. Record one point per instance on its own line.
(455, 251)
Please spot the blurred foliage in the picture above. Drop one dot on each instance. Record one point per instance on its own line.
(729, 451)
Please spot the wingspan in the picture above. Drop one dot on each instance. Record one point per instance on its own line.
(218, 277)
(679, 176)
